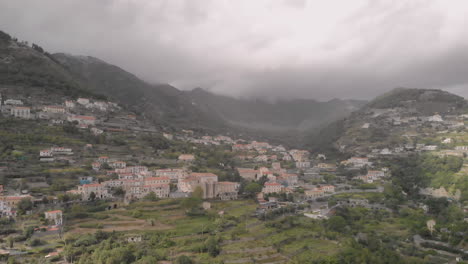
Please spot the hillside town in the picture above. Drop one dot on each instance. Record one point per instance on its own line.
(72, 165)
(278, 169)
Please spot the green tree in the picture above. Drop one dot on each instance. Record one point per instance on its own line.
(147, 260)
(92, 196)
(252, 188)
(191, 203)
(198, 193)
(336, 223)
(24, 205)
(151, 197)
(183, 260)
(63, 197)
(119, 192)
(212, 246)
(11, 242)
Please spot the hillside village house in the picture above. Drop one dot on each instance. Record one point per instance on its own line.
(299, 155)
(173, 174)
(98, 189)
(462, 148)
(103, 159)
(96, 131)
(365, 178)
(208, 182)
(435, 118)
(168, 136)
(186, 158)
(430, 147)
(276, 166)
(314, 193)
(272, 187)
(45, 153)
(328, 188)
(326, 166)
(289, 179)
(157, 180)
(302, 164)
(96, 166)
(286, 157)
(160, 190)
(102, 106)
(138, 188)
(13, 102)
(127, 176)
(319, 191)
(55, 216)
(261, 158)
(375, 174)
(69, 104)
(21, 112)
(134, 169)
(248, 174)
(8, 204)
(83, 101)
(357, 162)
(260, 145)
(264, 171)
(61, 151)
(118, 164)
(244, 157)
(227, 190)
(5, 210)
(223, 138)
(241, 147)
(54, 109)
(86, 179)
(82, 120)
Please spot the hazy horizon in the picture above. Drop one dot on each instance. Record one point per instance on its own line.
(275, 50)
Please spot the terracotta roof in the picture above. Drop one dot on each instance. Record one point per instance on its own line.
(272, 184)
(16, 197)
(246, 170)
(227, 183)
(288, 175)
(203, 174)
(55, 106)
(189, 179)
(54, 211)
(156, 185)
(92, 185)
(157, 179)
(85, 117)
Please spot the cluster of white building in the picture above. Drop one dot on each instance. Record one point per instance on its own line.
(371, 176)
(8, 203)
(69, 111)
(139, 181)
(51, 154)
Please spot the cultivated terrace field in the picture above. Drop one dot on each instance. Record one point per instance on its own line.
(228, 232)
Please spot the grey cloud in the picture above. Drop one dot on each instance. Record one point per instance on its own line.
(282, 49)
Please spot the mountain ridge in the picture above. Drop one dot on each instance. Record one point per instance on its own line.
(384, 121)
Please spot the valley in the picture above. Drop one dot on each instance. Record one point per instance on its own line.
(98, 166)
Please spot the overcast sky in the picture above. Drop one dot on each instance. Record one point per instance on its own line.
(276, 48)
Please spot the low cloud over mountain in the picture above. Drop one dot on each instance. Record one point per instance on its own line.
(285, 49)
